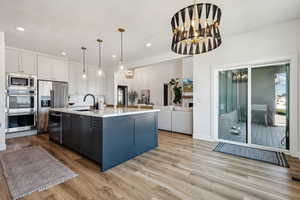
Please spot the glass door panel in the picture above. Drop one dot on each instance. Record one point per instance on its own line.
(270, 106)
(233, 104)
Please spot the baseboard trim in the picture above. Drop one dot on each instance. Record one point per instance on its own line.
(204, 139)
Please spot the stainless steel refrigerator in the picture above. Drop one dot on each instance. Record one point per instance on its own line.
(51, 94)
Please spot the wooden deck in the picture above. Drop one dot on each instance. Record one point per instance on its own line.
(180, 168)
(269, 136)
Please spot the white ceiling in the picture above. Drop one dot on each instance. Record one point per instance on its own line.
(53, 26)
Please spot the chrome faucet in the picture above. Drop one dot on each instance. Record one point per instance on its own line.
(94, 99)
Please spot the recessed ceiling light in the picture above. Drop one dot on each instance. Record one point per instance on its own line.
(114, 55)
(148, 44)
(63, 53)
(19, 28)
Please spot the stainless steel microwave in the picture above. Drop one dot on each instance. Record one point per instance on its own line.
(21, 81)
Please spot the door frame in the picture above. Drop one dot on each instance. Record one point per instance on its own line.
(125, 98)
(293, 97)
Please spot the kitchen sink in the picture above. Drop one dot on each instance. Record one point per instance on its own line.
(83, 110)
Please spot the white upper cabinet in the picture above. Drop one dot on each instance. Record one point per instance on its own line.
(52, 69)
(182, 122)
(12, 61)
(44, 68)
(20, 62)
(60, 70)
(28, 63)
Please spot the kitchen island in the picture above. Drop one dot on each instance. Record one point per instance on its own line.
(110, 136)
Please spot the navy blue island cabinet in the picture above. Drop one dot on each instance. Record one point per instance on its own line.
(111, 140)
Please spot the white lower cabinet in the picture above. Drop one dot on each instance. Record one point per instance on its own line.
(52, 69)
(173, 120)
(182, 122)
(165, 120)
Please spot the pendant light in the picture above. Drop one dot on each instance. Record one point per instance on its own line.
(196, 29)
(121, 63)
(100, 71)
(83, 62)
(129, 74)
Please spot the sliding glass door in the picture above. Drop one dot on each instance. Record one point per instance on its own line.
(270, 106)
(253, 106)
(233, 95)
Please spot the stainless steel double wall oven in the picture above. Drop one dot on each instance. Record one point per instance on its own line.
(21, 102)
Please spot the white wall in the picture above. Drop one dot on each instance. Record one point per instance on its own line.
(280, 40)
(2, 91)
(187, 67)
(153, 77)
(109, 86)
(78, 87)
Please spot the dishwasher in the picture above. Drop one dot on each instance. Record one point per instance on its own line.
(55, 127)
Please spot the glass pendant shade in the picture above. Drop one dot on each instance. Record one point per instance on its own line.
(83, 63)
(122, 66)
(121, 62)
(100, 71)
(129, 74)
(196, 29)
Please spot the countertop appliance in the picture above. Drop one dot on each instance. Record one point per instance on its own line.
(21, 81)
(55, 127)
(51, 94)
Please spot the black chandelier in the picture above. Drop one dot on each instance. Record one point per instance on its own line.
(196, 29)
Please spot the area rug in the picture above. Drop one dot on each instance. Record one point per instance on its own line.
(32, 169)
(272, 157)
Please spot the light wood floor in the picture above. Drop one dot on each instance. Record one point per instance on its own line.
(180, 168)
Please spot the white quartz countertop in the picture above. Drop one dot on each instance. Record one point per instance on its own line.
(106, 112)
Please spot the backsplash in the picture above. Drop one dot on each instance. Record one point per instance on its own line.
(78, 100)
